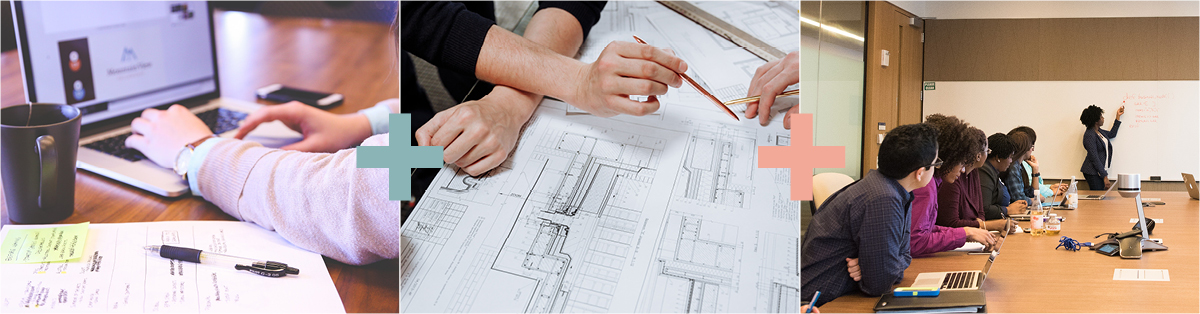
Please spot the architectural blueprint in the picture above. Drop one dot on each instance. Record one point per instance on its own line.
(660, 213)
(723, 68)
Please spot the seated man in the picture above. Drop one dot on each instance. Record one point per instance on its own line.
(866, 222)
(958, 144)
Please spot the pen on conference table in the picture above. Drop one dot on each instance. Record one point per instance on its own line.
(812, 303)
(754, 98)
(693, 83)
(261, 268)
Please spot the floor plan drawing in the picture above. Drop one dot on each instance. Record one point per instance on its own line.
(425, 235)
(666, 212)
(696, 269)
(718, 167)
(779, 275)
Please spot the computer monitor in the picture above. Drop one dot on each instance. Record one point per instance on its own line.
(134, 56)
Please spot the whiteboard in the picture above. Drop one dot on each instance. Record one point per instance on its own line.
(1159, 133)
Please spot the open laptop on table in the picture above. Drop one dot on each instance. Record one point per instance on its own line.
(961, 280)
(1099, 197)
(114, 59)
(1190, 182)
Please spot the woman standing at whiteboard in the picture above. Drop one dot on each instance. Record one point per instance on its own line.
(1099, 149)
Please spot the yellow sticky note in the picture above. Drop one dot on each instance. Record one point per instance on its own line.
(44, 244)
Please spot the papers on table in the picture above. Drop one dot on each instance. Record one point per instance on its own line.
(971, 247)
(1141, 274)
(116, 274)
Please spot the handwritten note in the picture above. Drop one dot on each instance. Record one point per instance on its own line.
(1143, 107)
(44, 244)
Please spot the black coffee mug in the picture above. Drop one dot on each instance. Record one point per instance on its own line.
(38, 153)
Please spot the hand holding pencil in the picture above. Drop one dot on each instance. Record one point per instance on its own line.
(769, 81)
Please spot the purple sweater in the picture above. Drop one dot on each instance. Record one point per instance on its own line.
(926, 237)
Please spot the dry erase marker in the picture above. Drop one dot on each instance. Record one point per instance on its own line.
(813, 303)
(261, 268)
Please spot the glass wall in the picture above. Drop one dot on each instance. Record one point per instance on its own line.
(832, 50)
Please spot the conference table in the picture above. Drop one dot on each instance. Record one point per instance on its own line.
(1031, 275)
(356, 59)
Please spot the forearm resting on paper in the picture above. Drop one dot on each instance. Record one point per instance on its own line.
(320, 202)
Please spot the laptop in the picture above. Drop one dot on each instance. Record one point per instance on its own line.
(113, 59)
(1190, 182)
(961, 280)
(1098, 197)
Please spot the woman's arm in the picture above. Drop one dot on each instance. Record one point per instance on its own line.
(320, 202)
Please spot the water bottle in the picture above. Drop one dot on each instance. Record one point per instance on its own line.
(1072, 194)
(1053, 225)
(1037, 222)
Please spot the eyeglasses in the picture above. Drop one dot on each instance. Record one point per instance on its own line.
(937, 162)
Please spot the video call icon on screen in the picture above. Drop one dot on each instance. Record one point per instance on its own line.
(77, 70)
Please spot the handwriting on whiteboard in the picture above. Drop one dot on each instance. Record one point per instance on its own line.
(1144, 107)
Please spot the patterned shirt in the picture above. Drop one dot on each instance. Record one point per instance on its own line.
(869, 220)
(1015, 182)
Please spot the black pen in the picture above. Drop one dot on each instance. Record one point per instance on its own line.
(262, 268)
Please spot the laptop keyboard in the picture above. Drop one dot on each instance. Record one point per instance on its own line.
(218, 120)
(959, 280)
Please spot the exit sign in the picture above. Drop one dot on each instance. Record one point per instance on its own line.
(929, 86)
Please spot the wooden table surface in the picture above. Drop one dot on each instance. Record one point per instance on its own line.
(357, 59)
(1030, 275)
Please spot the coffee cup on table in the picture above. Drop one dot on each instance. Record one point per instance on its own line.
(38, 146)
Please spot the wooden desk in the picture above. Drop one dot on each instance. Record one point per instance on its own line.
(356, 59)
(1029, 275)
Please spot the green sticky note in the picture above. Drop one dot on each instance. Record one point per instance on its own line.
(44, 244)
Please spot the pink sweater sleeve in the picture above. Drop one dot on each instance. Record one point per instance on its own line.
(926, 237)
(320, 202)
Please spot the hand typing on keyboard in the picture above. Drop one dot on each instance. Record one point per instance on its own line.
(324, 132)
(160, 134)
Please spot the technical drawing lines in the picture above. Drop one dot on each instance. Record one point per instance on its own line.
(423, 238)
(435, 224)
(696, 269)
(779, 275)
(718, 166)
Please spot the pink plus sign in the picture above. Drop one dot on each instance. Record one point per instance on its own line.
(801, 157)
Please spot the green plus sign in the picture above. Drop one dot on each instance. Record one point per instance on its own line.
(399, 159)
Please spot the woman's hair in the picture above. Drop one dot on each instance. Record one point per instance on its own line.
(1091, 115)
(957, 143)
(1001, 145)
(1021, 142)
(906, 149)
(1026, 130)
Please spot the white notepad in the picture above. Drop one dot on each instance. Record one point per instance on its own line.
(116, 273)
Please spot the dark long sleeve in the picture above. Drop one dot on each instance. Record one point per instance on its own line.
(989, 184)
(1094, 154)
(952, 208)
(587, 13)
(1112, 133)
(445, 34)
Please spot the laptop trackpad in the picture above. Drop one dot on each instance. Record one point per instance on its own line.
(928, 282)
(272, 134)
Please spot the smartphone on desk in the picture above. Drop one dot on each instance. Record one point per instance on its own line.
(282, 94)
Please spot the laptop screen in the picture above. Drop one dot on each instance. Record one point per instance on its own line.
(111, 58)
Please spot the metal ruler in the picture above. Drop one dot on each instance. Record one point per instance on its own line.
(723, 29)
